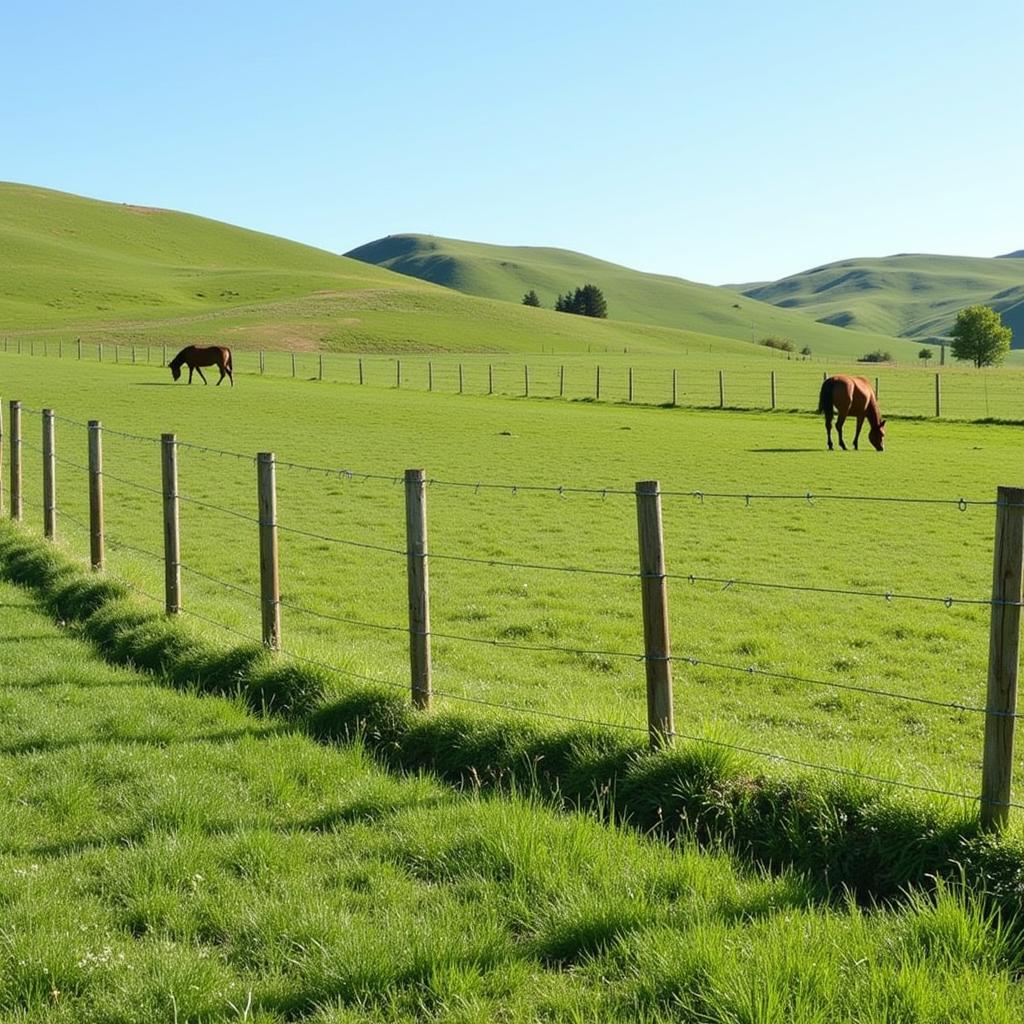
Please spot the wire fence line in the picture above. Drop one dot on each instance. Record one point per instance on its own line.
(530, 712)
(609, 374)
(414, 550)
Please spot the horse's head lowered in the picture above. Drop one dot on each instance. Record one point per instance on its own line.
(175, 365)
(876, 435)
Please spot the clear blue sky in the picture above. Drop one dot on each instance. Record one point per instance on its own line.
(721, 142)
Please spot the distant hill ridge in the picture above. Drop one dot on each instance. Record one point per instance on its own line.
(911, 295)
(508, 272)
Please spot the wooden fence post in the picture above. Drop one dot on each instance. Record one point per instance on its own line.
(172, 532)
(419, 588)
(461, 381)
(16, 461)
(631, 384)
(270, 579)
(721, 389)
(526, 381)
(60, 348)
(96, 552)
(117, 353)
(597, 385)
(320, 371)
(293, 363)
(938, 396)
(654, 596)
(360, 369)
(876, 387)
(133, 355)
(49, 478)
(430, 375)
(1003, 658)
(398, 373)
(773, 389)
(674, 390)
(99, 352)
(261, 361)
(561, 381)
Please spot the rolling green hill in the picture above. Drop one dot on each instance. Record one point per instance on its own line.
(912, 296)
(107, 272)
(506, 272)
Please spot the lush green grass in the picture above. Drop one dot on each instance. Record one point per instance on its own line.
(921, 648)
(166, 857)
(915, 296)
(507, 272)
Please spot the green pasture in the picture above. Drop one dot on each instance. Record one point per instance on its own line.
(567, 643)
(508, 272)
(171, 857)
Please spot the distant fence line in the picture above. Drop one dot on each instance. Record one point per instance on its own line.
(999, 711)
(951, 392)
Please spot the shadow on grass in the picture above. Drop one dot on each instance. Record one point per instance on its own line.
(842, 834)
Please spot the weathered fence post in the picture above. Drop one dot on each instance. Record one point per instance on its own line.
(419, 588)
(320, 371)
(270, 580)
(597, 385)
(96, 552)
(99, 352)
(398, 373)
(490, 379)
(526, 381)
(16, 461)
(172, 532)
(654, 596)
(721, 389)
(133, 355)
(1003, 658)
(561, 381)
(876, 387)
(360, 369)
(117, 353)
(430, 375)
(674, 389)
(631, 384)
(49, 478)
(938, 396)
(293, 363)
(261, 361)
(773, 389)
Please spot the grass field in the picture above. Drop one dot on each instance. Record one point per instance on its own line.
(171, 857)
(585, 625)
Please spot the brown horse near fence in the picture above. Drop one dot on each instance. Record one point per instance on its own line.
(197, 356)
(851, 396)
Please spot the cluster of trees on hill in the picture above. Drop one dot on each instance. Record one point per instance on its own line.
(586, 301)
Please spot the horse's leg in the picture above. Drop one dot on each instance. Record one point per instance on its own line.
(856, 436)
(840, 420)
(221, 368)
(828, 428)
(199, 370)
(190, 375)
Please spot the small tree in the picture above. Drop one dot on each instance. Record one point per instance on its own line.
(806, 351)
(531, 298)
(980, 336)
(925, 355)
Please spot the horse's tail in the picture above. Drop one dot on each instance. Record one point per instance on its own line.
(227, 362)
(825, 396)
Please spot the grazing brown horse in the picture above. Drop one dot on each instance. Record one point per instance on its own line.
(851, 396)
(196, 356)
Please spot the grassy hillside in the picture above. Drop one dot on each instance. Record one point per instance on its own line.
(507, 272)
(75, 267)
(913, 296)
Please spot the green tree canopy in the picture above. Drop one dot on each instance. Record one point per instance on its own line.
(586, 301)
(980, 336)
(531, 298)
(925, 354)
